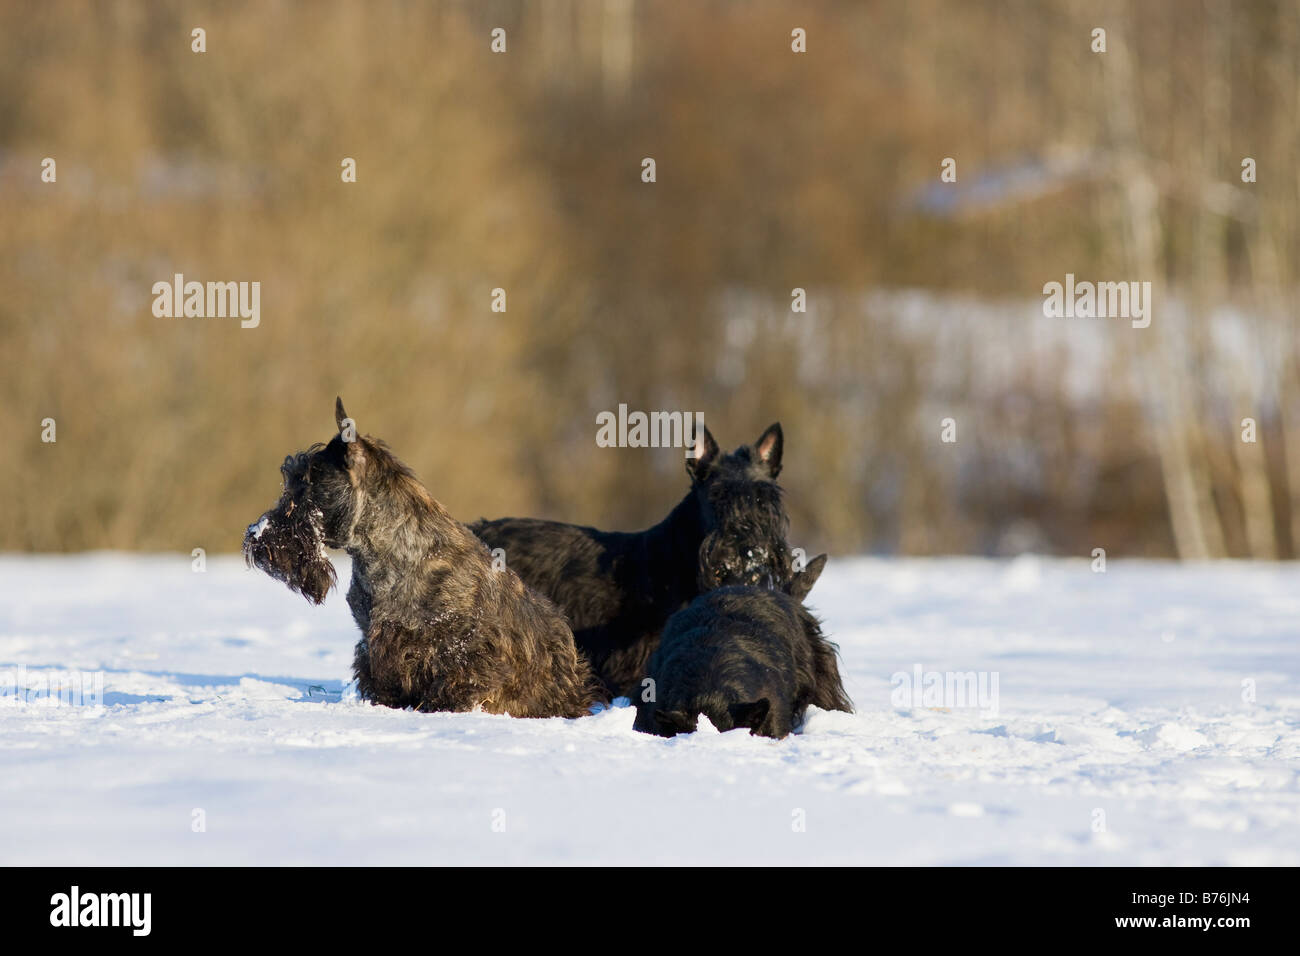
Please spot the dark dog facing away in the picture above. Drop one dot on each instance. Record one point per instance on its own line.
(743, 657)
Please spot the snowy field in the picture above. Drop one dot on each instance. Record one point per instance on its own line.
(1147, 715)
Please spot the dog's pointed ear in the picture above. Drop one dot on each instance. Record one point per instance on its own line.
(767, 450)
(348, 432)
(702, 454)
(803, 582)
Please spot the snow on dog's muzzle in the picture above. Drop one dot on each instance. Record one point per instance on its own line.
(288, 544)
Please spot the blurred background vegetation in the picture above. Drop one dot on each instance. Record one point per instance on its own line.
(775, 170)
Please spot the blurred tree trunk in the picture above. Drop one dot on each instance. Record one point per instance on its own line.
(617, 29)
(1195, 523)
(1267, 241)
(1212, 280)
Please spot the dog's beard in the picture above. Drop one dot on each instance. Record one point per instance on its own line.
(291, 548)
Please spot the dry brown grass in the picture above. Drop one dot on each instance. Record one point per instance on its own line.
(479, 171)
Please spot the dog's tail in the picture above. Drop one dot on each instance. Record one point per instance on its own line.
(828, 688)
(593, 687)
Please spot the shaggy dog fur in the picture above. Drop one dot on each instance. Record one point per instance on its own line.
(743, 657)
(618, 588)
(441, 629)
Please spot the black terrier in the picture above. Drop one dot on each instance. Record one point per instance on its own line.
(743, 657)
(440, 628)
(618, 588)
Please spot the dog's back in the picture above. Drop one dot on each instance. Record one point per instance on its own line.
(598, 579)
(618, 588)
(743, 657)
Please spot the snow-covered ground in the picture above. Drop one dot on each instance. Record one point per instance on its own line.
(1146, 715)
